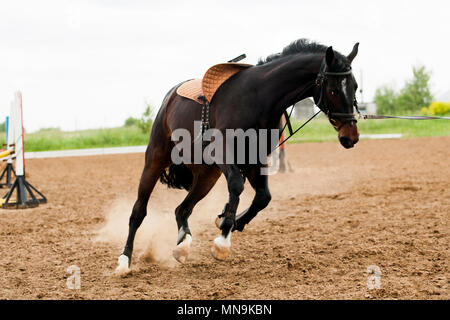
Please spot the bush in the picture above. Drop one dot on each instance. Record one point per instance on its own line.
(437, 109)
(49, 129)
(131, 122)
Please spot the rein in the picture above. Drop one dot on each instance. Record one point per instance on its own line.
(301, 127)
(376, 117)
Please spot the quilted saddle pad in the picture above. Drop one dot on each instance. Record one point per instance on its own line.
(211, 82)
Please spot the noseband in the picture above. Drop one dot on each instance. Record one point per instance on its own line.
(344, 118)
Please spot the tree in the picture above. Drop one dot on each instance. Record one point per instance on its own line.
(2, 126)
(385, 98)
(146, 121)
(414, 95)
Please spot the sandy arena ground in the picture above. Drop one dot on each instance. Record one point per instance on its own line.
(383, 203)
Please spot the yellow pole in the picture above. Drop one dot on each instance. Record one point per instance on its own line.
(6, 153)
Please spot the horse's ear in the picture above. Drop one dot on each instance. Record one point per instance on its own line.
(354, 52)
(330, 57)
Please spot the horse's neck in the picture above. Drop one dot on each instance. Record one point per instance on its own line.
(286, 82)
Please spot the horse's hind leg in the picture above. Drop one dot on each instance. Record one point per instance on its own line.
(204, 179)
(156, 162)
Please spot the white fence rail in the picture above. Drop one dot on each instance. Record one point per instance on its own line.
(84, 152)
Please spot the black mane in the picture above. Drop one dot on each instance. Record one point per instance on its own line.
(300, 46)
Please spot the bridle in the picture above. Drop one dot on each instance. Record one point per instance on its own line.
(334, 117)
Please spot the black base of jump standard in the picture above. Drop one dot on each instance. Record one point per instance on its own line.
(25, 197)
(7, 174)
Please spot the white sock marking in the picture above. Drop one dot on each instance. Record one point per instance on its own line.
(123, 261)
(223, 242)
(186, 242)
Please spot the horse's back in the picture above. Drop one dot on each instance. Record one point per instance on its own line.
(175, 112)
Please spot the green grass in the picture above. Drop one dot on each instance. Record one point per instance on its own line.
(98, 138)
(316, 131)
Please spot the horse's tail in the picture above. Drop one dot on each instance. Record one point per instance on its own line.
(177, 176)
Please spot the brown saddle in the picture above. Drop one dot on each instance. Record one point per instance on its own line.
(211, 82)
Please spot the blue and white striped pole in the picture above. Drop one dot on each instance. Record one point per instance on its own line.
(6, 127)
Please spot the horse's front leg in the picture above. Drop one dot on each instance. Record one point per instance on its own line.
(259, 183)
(222, 244)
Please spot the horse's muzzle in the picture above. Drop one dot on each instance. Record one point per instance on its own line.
(349, 135)
(348, 143)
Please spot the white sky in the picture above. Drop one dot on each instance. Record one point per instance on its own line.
(92, 64)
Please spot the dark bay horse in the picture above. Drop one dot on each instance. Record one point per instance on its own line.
(254, 98)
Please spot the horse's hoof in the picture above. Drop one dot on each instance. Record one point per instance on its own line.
(221, 248)
(181, 252)
(123, 267)
(218, 222)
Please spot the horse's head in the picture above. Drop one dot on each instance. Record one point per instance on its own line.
(336, 89)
